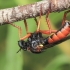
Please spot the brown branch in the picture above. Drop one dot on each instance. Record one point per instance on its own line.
(32, 10)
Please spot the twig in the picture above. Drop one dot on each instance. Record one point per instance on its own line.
(32, 10)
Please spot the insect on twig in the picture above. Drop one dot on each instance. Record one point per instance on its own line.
(36, 43)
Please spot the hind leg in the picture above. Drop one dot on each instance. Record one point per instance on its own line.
(64, 17)
(48, 21)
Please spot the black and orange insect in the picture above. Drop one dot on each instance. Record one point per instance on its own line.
(36, 43)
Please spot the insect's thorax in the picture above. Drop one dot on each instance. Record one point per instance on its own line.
(35, 42)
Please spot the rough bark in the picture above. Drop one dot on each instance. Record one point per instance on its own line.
(32, 10)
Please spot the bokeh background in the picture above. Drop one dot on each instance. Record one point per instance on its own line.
(55, 58)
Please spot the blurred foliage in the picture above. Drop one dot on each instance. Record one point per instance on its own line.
(55, 58)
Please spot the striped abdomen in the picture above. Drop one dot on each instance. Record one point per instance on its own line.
(60, 34)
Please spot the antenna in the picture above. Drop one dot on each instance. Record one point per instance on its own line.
(19, 50)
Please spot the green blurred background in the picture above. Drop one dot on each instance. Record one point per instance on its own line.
(55, 58)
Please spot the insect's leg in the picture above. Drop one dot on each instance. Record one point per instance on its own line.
(38, 22)
(19, 29)
(48, 21)
(64, 17)
(38, 27)
(25, 23)
(47, 31)
(28, 34)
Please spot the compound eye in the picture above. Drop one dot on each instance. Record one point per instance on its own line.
(22, 44)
